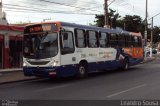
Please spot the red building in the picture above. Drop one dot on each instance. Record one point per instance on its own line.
(11, 37)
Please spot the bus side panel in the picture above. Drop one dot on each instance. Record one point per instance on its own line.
(104, 66)
(135, 55)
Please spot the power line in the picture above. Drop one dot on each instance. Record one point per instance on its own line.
(14, 9)
(68, 5)
(154, 16)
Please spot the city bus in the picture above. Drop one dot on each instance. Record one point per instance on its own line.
(60, 49)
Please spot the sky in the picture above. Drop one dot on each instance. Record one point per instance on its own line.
(83, 10)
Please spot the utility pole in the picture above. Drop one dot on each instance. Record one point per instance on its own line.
(145, 33)
(1, 13)
(151, 38)
(106, 15)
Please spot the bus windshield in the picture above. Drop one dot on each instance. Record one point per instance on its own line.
(40, 46)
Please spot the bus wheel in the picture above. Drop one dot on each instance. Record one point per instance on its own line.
(82, 70)
(126, 64)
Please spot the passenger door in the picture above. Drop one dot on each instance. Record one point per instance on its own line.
(67, 48)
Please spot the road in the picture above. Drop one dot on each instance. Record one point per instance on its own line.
(139, 82)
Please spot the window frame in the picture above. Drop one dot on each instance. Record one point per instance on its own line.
(106, 40)
(97, 38)
(76, 38)
(113, 43)
(121, 42)
(61, 44)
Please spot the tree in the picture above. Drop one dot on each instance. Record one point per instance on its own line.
(113, 17)
(156, 32)
(133, 23)
(130, 23)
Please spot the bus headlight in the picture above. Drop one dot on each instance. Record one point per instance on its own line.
(54, 63)
(24, 64)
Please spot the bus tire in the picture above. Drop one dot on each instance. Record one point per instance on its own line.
(82, 70)
(125, 64)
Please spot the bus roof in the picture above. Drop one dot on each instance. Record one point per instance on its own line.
(93, 28)
(66, 24)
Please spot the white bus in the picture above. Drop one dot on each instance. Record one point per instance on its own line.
(59, 49)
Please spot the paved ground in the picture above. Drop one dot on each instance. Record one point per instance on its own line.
(16, 74)
(140, 82)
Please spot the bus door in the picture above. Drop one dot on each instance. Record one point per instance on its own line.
(68, 58)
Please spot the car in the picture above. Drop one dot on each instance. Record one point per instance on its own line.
(154, 51)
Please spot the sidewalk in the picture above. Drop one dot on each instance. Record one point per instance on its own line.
(148, 59)
(13, 75)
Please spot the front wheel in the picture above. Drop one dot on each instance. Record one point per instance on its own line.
(82, 71)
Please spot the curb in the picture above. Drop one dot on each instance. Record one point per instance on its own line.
(148, 60)
(12, 70)
(22, 80)
(1, 72)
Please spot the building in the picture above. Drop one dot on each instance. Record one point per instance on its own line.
(11, 37)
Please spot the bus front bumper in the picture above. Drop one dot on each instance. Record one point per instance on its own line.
(39, 71)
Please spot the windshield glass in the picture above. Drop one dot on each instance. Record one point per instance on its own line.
(40, 46)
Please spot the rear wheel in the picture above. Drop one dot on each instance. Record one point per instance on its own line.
(82, 70)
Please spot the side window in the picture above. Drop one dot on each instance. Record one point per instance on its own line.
(92, 39)
(121, 40)
(103, 39)
(67, 44)
(80, 38)
(139, 42)
(135, 41)
(113, 40)
(128, 41)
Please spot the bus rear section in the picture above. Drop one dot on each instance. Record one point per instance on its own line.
(134, 47)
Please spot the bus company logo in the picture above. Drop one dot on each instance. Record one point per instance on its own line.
(9, 103)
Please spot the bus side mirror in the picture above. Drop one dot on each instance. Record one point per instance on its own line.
(65, 36)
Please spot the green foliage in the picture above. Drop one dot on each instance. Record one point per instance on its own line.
(156, 36)
(129, 23)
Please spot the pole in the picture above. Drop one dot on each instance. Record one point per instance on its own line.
(1, 13)
(151, 39)
(145, 33)
(106, 16)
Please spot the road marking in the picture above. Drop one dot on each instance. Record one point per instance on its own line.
(51, 88)
(118, 93)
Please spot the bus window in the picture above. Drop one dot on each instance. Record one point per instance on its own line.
(135, 41)
(121, 40)
(80, 38)
(113, 40)
(128, 41)
(139, 42)
(67, 45)
(103, 39)
(92, 39)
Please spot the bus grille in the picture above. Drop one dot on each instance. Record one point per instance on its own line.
(38, 63)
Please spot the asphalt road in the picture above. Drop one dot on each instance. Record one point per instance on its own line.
(139, 82)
